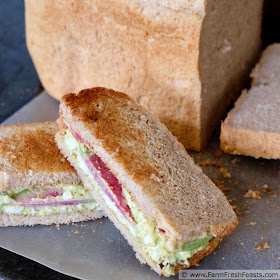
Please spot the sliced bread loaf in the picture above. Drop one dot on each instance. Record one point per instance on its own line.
(183, 60)
(252, 128)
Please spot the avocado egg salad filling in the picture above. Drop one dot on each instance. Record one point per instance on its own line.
(46, 200)
(152, 240)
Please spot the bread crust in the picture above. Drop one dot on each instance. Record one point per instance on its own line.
(7, 220)
(29, 156)
(164, 183)
(257, 144)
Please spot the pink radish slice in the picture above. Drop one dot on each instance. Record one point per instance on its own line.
(76, 135)
(112, 181)
(56, 203)
(54, 192)
(101, 184)
(100, 170)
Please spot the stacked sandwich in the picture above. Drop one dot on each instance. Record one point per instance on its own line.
(38, 186)
(128, 164)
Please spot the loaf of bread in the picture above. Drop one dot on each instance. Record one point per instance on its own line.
(185, 60)
(252, 128)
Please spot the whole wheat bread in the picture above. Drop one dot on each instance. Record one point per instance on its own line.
(150, 163)
(29, 157)
(252, 128)
(183, 60)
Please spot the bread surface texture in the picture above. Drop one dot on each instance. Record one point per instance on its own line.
(149, 162)
(183, 60)
(252, 128)
(30, 157)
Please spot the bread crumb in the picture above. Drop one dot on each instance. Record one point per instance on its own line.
(254, 194)
(262, 247)
(57, 225)
(218, 153)
(266, 189)
(206, 162)
(242, 243)
(76, 231)
(266, 245)
(220, 185)
(252, 224)
(218, 164)
(258, 247)
(234, 161)
(224, 172)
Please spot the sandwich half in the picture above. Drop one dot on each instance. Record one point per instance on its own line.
(168, 210)
(37, 184)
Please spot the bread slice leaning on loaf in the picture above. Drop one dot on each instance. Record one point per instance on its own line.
(151, 166)
(252, 127)
(30, 158)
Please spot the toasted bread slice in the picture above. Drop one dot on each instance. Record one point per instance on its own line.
(29, 157)
(31, 161)
(150, 164)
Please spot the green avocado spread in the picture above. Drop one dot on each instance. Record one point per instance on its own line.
(151, 241)
(9, 205)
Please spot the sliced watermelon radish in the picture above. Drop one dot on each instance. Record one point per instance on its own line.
(77, 135)
(53, 192)
(110, 178)
(55, 203)
(100, 171)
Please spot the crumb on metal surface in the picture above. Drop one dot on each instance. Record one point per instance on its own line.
(261, 247)
(234, 161)
(265, 188)
(252, 224)
(220, 185)
(218, 164)
(254, 194)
